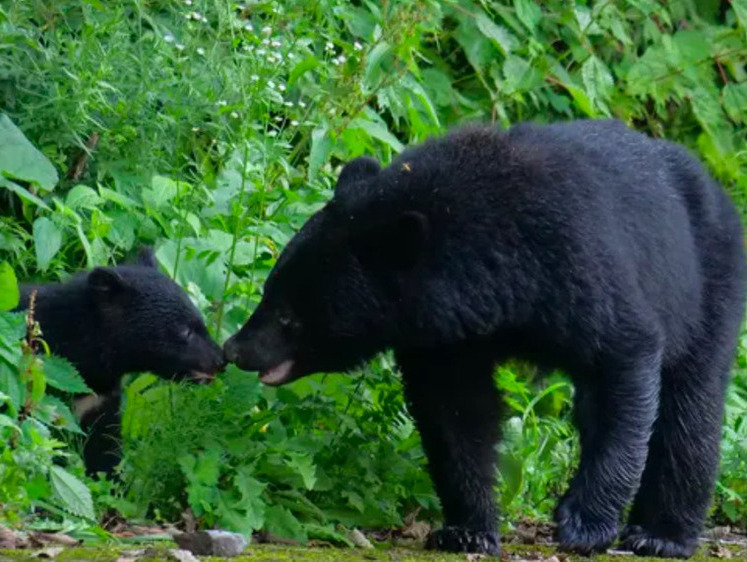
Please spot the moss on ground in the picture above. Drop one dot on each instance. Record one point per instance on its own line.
(263, 552)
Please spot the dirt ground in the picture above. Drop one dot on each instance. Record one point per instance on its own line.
(711, 551)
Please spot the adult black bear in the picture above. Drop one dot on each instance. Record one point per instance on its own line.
(584, 246)
(117, 320)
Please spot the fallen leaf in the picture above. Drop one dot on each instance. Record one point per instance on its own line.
(41, 537)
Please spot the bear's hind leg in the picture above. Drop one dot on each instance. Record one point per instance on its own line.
(615, 412)
(672, 502)
(453, 399)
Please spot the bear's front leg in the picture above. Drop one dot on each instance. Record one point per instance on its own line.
(453, 399)
(615, 409)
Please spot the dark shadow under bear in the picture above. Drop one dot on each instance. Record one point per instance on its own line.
(583, 246)
(117, 320)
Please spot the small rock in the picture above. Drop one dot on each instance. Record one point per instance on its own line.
(719, 551)
(182, 555)
(359, 539)
(49, 552)
(212, 543)
(10, 539)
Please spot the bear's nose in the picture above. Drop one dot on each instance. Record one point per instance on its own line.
(231, 350)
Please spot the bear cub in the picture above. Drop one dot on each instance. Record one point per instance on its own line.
(583, 246)
(111, 321)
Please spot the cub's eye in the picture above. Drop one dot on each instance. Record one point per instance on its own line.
(285, 321)
(187, 334)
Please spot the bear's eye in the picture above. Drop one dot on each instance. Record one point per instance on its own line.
(187, 333)
(285, 321)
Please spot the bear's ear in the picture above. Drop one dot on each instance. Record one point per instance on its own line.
(361, 168)
(396, 243)
(146, 257)
(105, 282)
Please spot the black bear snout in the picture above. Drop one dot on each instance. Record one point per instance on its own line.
(231, 350)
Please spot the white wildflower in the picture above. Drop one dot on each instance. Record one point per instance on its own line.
(267, 30)
(200, 51)
(357, 46)
(168, 38)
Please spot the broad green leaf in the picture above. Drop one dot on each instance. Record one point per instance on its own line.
(740, 9)
(6, 421)
(23, 193)
(47, 241)
(161, 192)
(281, 522)
(582, 100)
(499, 35)
(9, 293)
(246, 511)
(378, 131)
(321, 145)
(734, 98)
(374, 71)
(303, 464)
(82, 197)
(360, 22)
(20, 160)
(598, 82)
(61, 374)
(709, 114)
(478, 49)
(74, 494)
(57, 414)
(307, 64)
(519, 74)
(529, 12)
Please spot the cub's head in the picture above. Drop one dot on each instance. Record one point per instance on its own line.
(149, 323)
(337, 292)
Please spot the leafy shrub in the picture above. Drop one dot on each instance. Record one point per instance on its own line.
(32, 419)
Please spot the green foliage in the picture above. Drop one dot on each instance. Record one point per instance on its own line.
(32, 420)
(214, 129)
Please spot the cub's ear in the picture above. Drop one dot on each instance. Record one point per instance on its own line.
(106, 283)
(359, 169)
(146, 257)
(396, 243)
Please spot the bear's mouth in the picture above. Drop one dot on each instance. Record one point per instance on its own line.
(200, 377)
(279, 374)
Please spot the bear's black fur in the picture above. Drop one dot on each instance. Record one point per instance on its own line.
(111, 321)
(583, 246)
